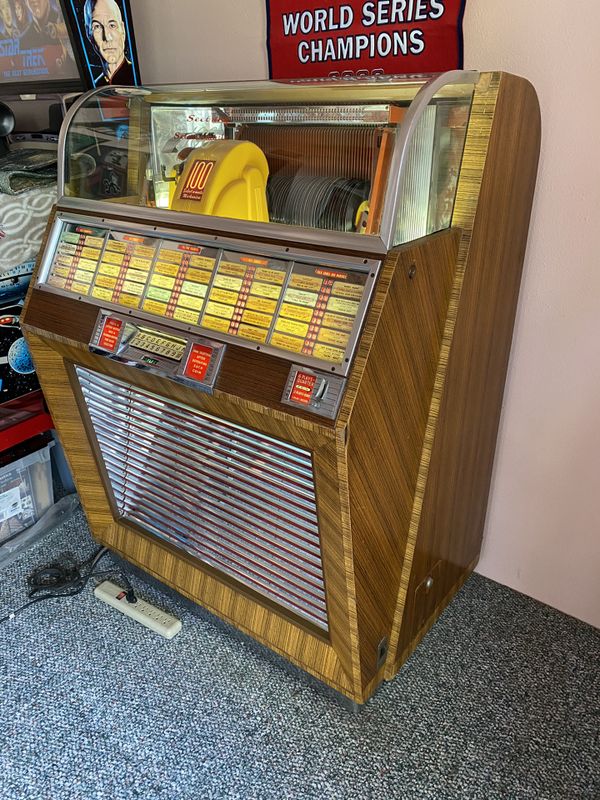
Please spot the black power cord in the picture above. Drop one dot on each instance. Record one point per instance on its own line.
(66, 578)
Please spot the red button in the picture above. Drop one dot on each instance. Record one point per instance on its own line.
(302, 388)
(110, 333)
(198, 362)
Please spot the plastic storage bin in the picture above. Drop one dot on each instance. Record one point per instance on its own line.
(26, 490)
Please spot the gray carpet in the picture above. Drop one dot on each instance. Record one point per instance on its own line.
(500, 701)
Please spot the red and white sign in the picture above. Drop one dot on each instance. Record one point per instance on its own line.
(198, 362)
(317, 39)
(196, 180)
(111, 330)
(302, 388)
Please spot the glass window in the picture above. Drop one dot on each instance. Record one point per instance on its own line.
(280, 153)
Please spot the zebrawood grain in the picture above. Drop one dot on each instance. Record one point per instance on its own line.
(237, 377)
(329, 659)
(387, 426)
(493, 207)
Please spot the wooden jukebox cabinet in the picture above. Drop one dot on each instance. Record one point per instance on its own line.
(272, 322)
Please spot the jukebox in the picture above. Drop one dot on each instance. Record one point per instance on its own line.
(275, 345)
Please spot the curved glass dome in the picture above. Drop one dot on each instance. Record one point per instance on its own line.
(347, 158)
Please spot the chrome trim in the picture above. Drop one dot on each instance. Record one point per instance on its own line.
(237, 499)
(216, 526)
(273, 251)
(203, 225)
(305, 552)
(302, 516)
(158, 400)
(49, 251)
(317, 614)
(403, 139)
(214, 432)
(265, 440)
(167, 445)
(267, 475)
(228, 562)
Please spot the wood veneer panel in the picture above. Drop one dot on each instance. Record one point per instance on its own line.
(260, 378)
(469, 387)
(300, 647)
(336, 548)
(68, 318)
(62, 405)
(387, 426)
(72, 322)
(331, 661)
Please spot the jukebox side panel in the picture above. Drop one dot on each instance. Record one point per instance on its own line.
(387, 423)
(498, 179)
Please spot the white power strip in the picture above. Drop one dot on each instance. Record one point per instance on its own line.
(150, 616)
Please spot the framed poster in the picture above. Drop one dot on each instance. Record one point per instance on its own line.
(105, 41)
(314, 39)
(38, 52)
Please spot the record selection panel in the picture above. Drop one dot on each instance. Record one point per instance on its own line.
(301, 308)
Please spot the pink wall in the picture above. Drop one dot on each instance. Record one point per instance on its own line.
(543, 526)
(543, 529)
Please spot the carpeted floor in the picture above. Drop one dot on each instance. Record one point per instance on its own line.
(501, 700)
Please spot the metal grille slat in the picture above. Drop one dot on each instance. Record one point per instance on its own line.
(250, 466)
(107, 384)
(211, 522)
(304, 508)
(203, 537)
(302, 607)
(234, 498)
(301, 547)
(247, 452)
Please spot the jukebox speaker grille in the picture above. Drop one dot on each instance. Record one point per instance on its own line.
(235, 499)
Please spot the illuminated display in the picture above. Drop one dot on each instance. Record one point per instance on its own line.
(197, 180)
(244, 296)
(179, 282)
(123, 270)
(302, 309)
(76, 259)
(153, 342)
(318, 312)
(198, 362)
(302, 388)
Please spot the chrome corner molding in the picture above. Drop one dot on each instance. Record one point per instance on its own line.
(403, 140)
